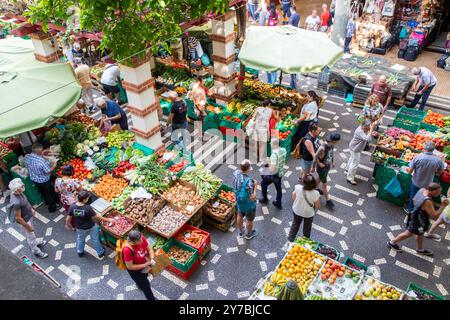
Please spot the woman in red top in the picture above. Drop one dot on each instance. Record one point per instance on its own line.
(138, 256)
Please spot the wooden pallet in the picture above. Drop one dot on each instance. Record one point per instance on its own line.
(357, 105)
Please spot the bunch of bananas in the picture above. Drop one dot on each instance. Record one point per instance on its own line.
(269, 289)
(278, 279)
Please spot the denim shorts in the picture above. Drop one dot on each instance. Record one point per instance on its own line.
(306, 165)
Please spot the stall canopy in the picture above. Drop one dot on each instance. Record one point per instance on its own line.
(32, 92)
(289, 49)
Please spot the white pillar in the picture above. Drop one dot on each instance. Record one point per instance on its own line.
(45, 47)
(143, 104)
(340, 21)
(223, 36)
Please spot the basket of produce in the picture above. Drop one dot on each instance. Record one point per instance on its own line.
(118, 202)
(226, 193)
(356, 265)
(117, 138)
(327, 251)
(380, 155)
(195, 238)
(167, 221)
(142, 210)
(399, 133)
(416, 292)
(412, 112)
(335, 281)
(109, 187)
(232, 121)
(149, 174)
(105, 160)
(183, 195)
(184, 258)
(391, 143)
(205, 182)
(154, 240)
(218, 209)
(121, 226)
(306, 242)
(406, 122)
(409, 155)
(372, 289)
(434, 118)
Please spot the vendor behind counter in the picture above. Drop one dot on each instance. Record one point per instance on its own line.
(113, 112)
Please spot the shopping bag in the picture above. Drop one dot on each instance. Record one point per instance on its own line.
(250, 128)
(162, 261)
(394, 188)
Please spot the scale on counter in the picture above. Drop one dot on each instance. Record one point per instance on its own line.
(101, 206)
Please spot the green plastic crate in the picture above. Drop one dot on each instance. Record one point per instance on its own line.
(166, 106)
(211, 121)
(416, 287)
(282, 128)
(183, 267)
(231, 124)
(252, 71)
(356, 263)
(191, 109)
(11, 160)
(225, 188)
(146, 150)
(325, 245)
(407, 122)
(428, 127)
(385, 174)
(412, 112)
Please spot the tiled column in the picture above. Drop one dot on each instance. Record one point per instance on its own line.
(223, 36)
(142, 102)
(45, 47)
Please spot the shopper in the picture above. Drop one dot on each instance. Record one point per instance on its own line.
(274, 172)
(83, 75)
(424, 84)
(113, 112)
(263, 12)
(77, 52)
(372, 111)
(24, 214)
(252, 5)
(110, 80)
(308, 148)
(383, 91)
(306, 202)
(308, 115)
(40, 170)
(85, 218)
(444, 218)
(312, 21)
(294, 19)
(325, 18)
(324, 161)
(261, 135)
(178, 120)
(286, 7)
(350, 33)
(419, 220)
(245, 190)
(139, 257)
(424, 168)
(68, 189)
(273, 16)
(361, 137)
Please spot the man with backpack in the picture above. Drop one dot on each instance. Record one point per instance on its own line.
(419, 220)
(324, 161)
(136, 256)
(245, 191)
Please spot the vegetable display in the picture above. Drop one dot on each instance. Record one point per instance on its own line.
(192, 237)
(306, 242)
(228, 195)
(142, 210)
(434, 118)
(180, 255)
(409, 155)
(281, 135)
(116, 138)
(206, 183)
(3, 151)
(184, 198)
(167, 221)
(327, 251)
(84, 119)
(118, 202)
(397, 133)
(152, 176)
(109, 187)
(123, 167)
(120, 226)
(217, 208)
(80, 171)
(389, 142)
(179, 166)
(378, 154)
(103, 161)
(372, 289)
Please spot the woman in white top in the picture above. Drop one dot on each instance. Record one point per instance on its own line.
(263, 12)
(308, 114)
(261, 134)
(306, 202)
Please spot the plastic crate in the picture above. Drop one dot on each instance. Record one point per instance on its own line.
(200, 248)
(407, 122)
(413, 112)
(428, 127)
(349, 260)
(166, 106)
(191, 109)
(225, 188)
(384, 176)
(11, 160)
(394, 153)
(282, 128)
(252, 71)
(445, 177)
(229, 123)
(146, 150)
(31, 190)
(188, 265)
(184, 275)
(414, 287)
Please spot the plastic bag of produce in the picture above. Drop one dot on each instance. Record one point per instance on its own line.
(162, 261)
(394, 188)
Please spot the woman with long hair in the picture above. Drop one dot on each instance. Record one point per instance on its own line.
(308, 114)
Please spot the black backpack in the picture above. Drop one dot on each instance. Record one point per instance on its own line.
(411, 53)
(401, 53)
(442, 61)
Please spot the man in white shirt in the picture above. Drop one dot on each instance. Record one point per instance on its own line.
(110, 81)
(425, 83)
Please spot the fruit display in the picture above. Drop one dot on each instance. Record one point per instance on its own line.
(118, 202)
(228, 195)
(205, 182)
(409, 155)
(397, 133)
(142, 210)
(327, 251)
(116, 138)
(312, 297)
(4, 151)
(122, 168)
(183, 197)
(281, 135)
(306, 242)
(244, 107)
(218, 209)
(335, 281)
(179, 166)
(84, 119)
(420, 139)
(381, 155)
(354, 266)
(418, 293)
(180, 255)
(167, 221)
(434, 118)
(80, 171)
(109, 187)
(270, 290)
(121, 225)
(389, 142)
(192, 237)
(181, 90)
(372, 289)
(301, 265)
(290, 291)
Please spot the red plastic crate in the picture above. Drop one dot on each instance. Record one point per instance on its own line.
(232, 132)
(181, 274)
(205, 245)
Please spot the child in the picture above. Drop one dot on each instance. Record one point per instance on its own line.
(444, 218)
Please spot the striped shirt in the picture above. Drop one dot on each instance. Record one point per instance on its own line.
(278, 159)
(38, 168)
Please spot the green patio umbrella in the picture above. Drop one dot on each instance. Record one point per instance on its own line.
(289, 49)
(32, 92)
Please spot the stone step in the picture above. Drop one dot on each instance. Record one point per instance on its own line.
(437, 102)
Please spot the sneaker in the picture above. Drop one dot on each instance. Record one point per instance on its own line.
(102, 255)
(43, 243)
(433, 236)
(330, 205)
(263, 201)
(406, 210)
(425, 252)
(41, 254)
(252, 234)
(394, 246)
(352, 182)
(80, 254)
(278, 206)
